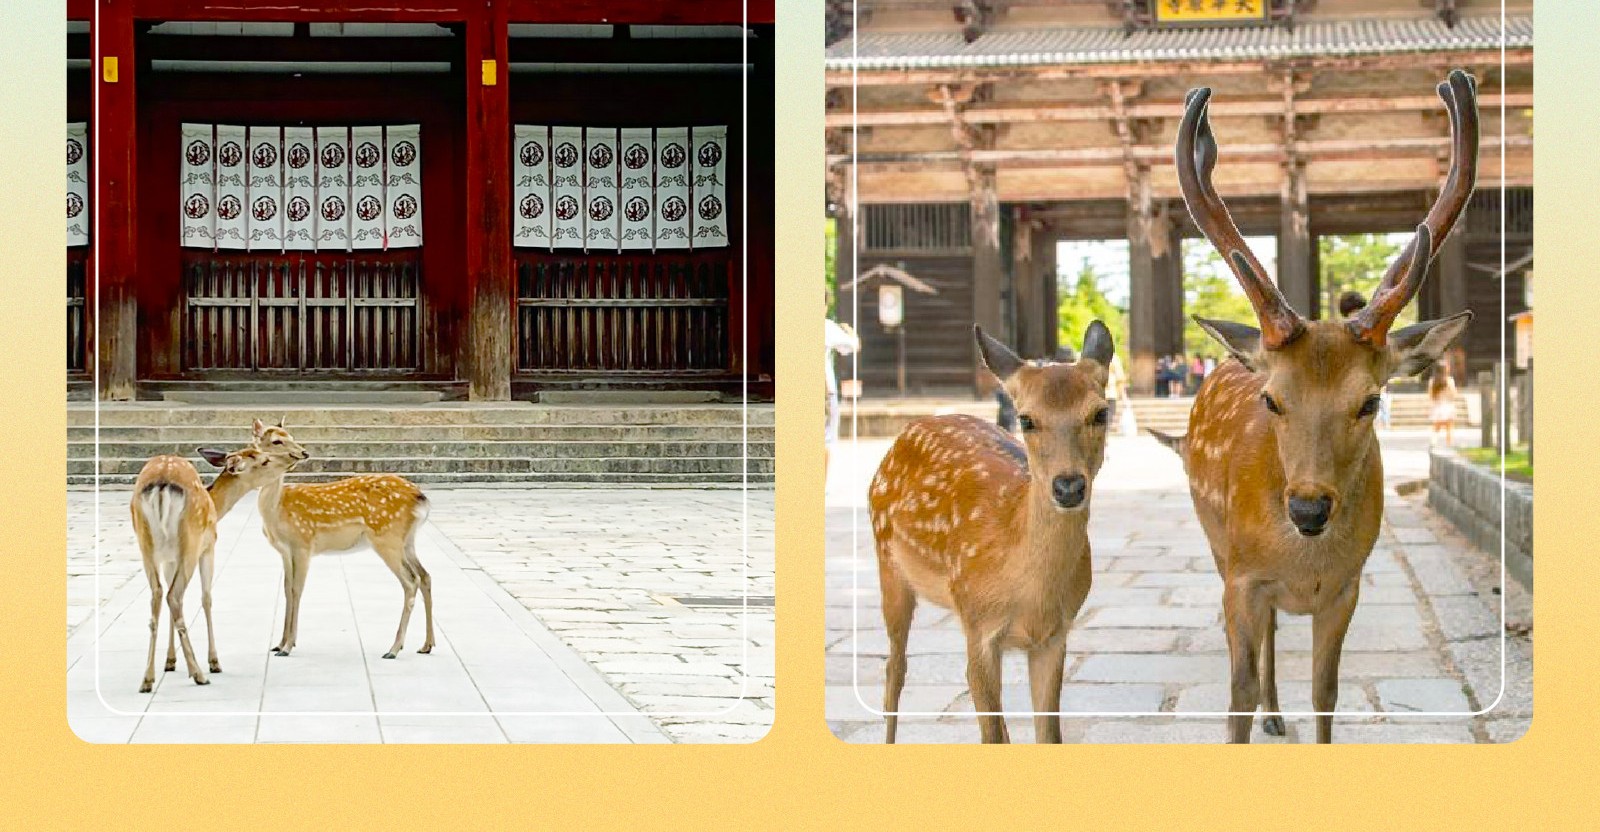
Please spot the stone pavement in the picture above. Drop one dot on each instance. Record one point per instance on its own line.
(1426, 636)
(488, 551)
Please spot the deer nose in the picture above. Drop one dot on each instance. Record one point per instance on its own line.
(1310, 515)
(1068, 491)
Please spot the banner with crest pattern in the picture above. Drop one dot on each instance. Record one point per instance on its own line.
(530, 189)
(709, 219)
(77, 184)
(263, 188)
(628, 189)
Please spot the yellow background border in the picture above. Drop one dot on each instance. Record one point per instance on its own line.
(799, 776)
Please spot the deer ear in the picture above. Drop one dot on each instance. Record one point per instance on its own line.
(996, 356)
(1097, 344)
(1415, 348)
(1241, 341)
(258, 428)
(218, 459)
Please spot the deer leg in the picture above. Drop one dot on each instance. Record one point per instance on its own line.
(175, 608)
(282, 649)
(1328, 627)
(424, 582)
(1045, 666)
(167, 577)
(206, 565)
(1272, 718)
(1243, 616)
(149, 682)
(396, 563)
(302, 566)
(983, 682)
(899, 605)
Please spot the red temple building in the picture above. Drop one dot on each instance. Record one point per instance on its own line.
(338, 193)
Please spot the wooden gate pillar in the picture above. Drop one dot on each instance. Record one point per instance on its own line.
(1143, 287)
(115, 230)
(988, 272)
(1166, 255)
(488, 199)
(1297, 276)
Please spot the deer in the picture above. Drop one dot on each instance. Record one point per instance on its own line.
(175, 522)
(967, 517)
(1281, 455)
(380, 511)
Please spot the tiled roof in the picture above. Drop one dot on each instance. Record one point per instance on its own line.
(1034, 47)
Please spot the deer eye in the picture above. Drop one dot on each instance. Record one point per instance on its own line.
(1271, 403)
(1368, 407)
(1101, 416)
(1026, 423)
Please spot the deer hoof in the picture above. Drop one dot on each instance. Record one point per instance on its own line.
(201, 680)
(426, 649)
(280, 652)
(216, 667)
(1273, 725)
(389, 655)
(171, 666)
(147, 685)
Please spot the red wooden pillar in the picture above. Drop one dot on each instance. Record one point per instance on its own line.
(115, 231)
(488, 200)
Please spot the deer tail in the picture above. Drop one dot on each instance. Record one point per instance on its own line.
(162, 505)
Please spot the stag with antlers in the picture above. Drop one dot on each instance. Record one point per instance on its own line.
(970, 519)
(1283, 462)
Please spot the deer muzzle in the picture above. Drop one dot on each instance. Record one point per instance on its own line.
(1069, 490)
(1310, 514)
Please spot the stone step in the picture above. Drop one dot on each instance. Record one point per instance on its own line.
(424, 450)
(233, 433)
(302, 397)
(618, 468)
(141, 414)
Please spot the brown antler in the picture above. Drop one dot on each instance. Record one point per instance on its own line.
(1405, 275)
(1196, 158)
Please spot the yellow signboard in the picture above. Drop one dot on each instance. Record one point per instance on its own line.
(1209, 11)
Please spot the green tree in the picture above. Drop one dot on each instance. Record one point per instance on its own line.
(1210, 291)
(1083, 300)
(1356, 262)
(830, 253)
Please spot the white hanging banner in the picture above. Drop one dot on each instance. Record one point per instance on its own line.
(566, 151)
(636, 155)
(600, 187)
(77, 184)
(299, 189)
(709, 219)
(266, 189)
(199, 186)
(403, 192)
(233, 223)
(672, 188)
(333, 188)
(530, 191)
(366, 187)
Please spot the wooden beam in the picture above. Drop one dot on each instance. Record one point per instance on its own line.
(644, 12)
(1442, 61)
(1322, 149)
(488, 200)
(80, 9)
(1013, 113)
(115, 228)
(309, 11)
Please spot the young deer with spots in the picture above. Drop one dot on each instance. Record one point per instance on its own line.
(382, 511)
(969, 519)
(1283, 462)
(175, 520)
